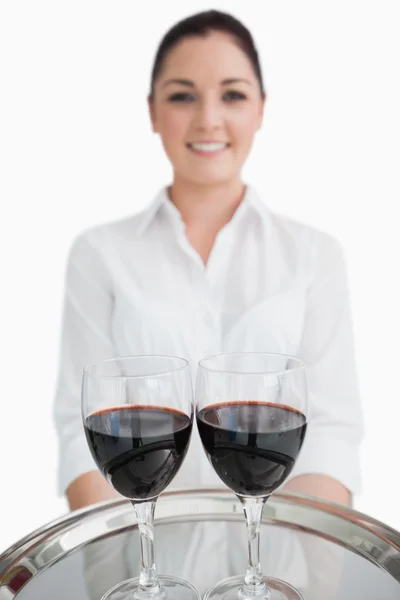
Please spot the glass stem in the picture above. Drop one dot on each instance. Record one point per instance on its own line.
(149, 585)
(253, 586)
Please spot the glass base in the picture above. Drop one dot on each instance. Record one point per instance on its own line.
(229, 589)
(172, 588)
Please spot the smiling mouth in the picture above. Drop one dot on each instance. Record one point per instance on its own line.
(208, 148)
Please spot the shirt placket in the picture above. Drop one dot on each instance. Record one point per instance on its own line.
(215, 284)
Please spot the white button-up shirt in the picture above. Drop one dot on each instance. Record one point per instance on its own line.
(271, 284)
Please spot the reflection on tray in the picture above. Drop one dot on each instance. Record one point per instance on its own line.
(203, 553)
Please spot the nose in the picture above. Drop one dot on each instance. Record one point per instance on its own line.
(208, 115)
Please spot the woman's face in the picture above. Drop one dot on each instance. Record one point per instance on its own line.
(207, 108)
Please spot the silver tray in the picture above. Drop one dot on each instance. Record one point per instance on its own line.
(326, 551)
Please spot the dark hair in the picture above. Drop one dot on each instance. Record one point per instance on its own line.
(200, 25)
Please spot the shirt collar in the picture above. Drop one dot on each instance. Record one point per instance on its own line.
(251, 201)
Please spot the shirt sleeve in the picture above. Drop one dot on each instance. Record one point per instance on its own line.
(85, 338)
(335, 426)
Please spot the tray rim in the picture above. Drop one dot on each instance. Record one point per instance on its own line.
(10, 558)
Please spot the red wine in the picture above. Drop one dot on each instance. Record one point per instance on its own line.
(139, 449)
(251, 445)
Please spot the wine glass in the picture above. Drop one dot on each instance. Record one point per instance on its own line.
(138, 416)
(252, 418)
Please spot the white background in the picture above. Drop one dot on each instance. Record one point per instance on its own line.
(76, 149)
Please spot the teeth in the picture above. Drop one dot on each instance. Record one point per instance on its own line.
(208, 147)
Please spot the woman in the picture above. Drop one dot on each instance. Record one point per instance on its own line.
(207, 268)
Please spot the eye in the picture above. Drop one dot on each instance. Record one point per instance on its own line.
(233, 96)
(181, 97)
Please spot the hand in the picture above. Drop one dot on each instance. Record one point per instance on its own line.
(88, 489)
(320, 486)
